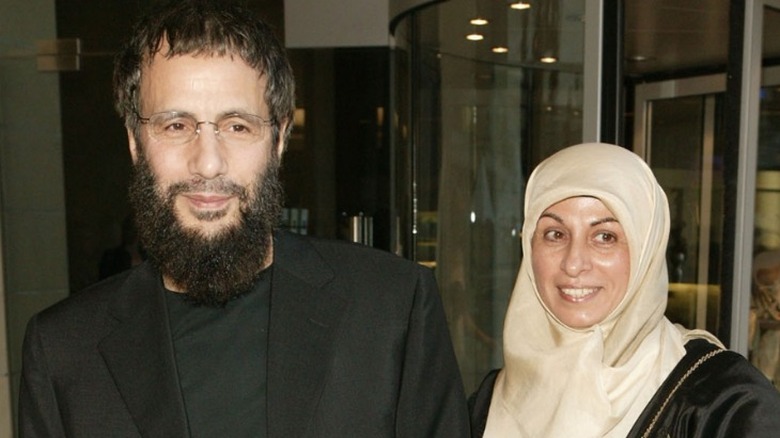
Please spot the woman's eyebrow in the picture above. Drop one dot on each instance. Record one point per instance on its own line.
(596, 222)
(552, 216)
(603, 221)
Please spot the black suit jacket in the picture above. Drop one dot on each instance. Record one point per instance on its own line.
(358, 346)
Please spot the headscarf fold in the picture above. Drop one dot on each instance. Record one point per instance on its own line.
(559, 381)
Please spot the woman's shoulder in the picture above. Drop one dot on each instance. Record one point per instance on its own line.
(723, 371)
(712, 392)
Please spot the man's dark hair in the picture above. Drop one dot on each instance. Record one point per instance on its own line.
(207, 28)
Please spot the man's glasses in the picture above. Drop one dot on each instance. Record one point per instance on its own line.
(178, 128)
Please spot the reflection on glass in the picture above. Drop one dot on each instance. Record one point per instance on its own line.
(471, 124)
(764, 330)
(685, 153)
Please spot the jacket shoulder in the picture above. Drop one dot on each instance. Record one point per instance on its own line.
(341, 254)
(86, 308)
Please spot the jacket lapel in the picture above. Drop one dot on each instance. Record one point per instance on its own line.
(140, 358)
(305, 312)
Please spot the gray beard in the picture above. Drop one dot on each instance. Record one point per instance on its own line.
(216, 269)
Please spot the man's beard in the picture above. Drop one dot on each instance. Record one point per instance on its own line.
(211, 270)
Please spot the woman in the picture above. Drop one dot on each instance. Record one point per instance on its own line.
(587, 349)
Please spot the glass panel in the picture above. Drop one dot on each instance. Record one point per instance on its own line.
(764, 330)
(477, 122)
(684, 157)
(675, 53)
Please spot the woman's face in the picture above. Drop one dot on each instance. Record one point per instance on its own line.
(580, 260)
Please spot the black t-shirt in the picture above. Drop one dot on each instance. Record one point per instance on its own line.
(221, 361)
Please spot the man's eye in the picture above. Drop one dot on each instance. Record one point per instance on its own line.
(236, 125)
(176, 126)
(239, 128)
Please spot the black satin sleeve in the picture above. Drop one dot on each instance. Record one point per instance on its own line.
(479, 404)
(724, 397)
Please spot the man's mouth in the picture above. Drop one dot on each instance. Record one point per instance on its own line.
(207, 201)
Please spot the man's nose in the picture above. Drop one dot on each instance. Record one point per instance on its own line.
(208, 158)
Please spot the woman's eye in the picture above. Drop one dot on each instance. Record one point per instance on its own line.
(606, 237)
(553, 235)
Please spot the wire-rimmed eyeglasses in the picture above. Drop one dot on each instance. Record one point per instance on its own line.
(174, 128)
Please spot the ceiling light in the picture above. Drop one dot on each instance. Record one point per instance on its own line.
(499, 49)
(475, 37)
(548, 59)
(519, 5)
(479, 21)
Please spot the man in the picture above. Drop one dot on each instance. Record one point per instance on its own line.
(231, 329)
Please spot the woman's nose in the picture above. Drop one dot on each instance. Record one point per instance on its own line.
(576, 259)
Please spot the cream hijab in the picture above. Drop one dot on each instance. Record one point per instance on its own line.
(563, 382)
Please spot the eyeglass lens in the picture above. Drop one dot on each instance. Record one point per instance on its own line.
(176, 128)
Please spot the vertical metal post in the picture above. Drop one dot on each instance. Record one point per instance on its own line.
(744, 214)
(592, 73)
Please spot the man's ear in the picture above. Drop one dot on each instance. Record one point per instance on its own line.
(133, 145)
(282, 145)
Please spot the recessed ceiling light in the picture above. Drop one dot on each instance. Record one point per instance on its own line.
(519, 5)
(479, 21)
(499, 49)
(475, 37)
(548, 59)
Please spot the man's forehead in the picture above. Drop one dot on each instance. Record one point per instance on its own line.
(163, 58)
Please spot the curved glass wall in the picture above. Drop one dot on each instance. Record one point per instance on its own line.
(476, 106)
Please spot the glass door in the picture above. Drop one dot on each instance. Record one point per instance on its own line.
(764, 319)
(678, 130)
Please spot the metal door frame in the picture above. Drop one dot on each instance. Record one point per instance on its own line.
(706, 86)
(747, 165)
(745, 221)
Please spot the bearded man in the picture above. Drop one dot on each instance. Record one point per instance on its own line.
(231, 328)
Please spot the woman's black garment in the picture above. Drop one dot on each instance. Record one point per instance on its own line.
(479, 404)
(724, 396)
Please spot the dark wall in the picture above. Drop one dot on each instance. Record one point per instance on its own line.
(362, 135)
(95, 156)
(338, 163)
